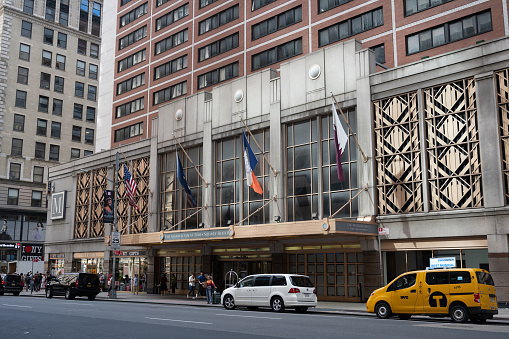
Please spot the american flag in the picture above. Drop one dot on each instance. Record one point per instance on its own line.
(130, 187)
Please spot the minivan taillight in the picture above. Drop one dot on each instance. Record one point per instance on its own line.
(76, 283)
(314, 291)
(294, 290)
(476, 298)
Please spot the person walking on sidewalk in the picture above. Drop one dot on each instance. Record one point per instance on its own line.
(209, 289)
(192, 284)
(203, 284)
(163, 288)
(136, 284)
(173, 283)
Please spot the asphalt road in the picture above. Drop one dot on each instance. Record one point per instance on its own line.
(49, 318)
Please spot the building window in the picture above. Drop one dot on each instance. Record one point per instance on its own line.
(43, 104)
(48, 36)
(45, 81)
(76, 133)
(19, 123)
(60, 62)
(170, 92)
(89, 136)
(75, 153)
(87, 152)
(132, 60)
(54, 152)
(172, 16)
(325, 5)
(350, 27)
(24, 52)
(158, 2)
(130, 107)
(40, 150)
(59, 84)
(219, 19)
(38, 174)
(90, 114)
(57, 107)
(276, 23)
(36, 198)
(21, 99)
(13, 193)
(79, 89)
(136, 13)
(42, 126)
(63, 18)
(256, 4)
(218, 75)
(277, 54)
(14, 171)
(92, 92)
(17, 147)
(171, 41)
(129, 132)
(62, 40)
(133, 37)
(83, 23)
(170, 67)
(22, 75)
(92, 71)
(28, 7)
(96, 19)
(80, 67)
(82, 46)
(414, 6)
(26, 29)
(55, 129)
(130, 84)
(47, 58)
(449, 32)
(50, 9)
(78, 111)
(94, 50)
(123, 2)
(203, 3)
(218, 47)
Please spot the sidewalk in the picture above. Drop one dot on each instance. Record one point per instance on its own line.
(345, 308)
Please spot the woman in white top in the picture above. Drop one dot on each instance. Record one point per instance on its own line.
(192, 285)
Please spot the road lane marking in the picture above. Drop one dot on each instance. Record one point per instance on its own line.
(17, 306)
(248, 316)
(466, 327)
(181, 321)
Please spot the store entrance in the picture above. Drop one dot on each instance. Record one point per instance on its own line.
(242, 268)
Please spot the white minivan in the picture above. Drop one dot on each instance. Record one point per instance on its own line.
(277, 291)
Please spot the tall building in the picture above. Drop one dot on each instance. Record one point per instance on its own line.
(163, 50)
(49, 66)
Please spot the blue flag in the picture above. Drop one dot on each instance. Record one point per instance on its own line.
(182, 178)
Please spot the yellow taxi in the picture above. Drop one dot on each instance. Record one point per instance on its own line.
(466, 293)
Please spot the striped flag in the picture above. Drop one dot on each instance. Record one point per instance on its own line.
(250, 163)
(130, 187)
(340, 141)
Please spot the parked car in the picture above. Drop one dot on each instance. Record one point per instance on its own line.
(277, 291)
(73, 285)
(467, 293)
(11, 283)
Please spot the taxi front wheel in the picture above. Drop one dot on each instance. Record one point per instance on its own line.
(383, 310)
(459, 314)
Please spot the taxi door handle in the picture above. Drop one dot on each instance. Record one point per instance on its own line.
(429, 290)
(413, 291)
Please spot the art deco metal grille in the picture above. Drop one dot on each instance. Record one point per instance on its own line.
(398, 154)
(502, 79)
(99, 184)
(81, 214)
(452, 146)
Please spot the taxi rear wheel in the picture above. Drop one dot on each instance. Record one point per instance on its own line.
(459, 314)
(383, 310)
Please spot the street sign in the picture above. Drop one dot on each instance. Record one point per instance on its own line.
(383, 230)
(116, 252)
(115, 240)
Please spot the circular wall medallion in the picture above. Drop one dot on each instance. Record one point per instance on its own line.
(325, 226)
(314, 71)
(179, 114)
(239, 95)
(231, 232)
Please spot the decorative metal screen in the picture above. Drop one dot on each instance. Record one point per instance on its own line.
(398, 155)
(99, 184)
(452, 145)
(502, 79)
(81, 215)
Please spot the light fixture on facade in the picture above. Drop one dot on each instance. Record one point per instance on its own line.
(277, 218)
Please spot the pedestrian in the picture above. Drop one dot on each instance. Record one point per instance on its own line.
(173, 283)
(136, 284)
(163, 288)
(192, 284)
(109, 284)
(101, 281)
(32, 284)
(23, 281)
(210, 284)
(27, 280)
(203, 284)
(43, 281)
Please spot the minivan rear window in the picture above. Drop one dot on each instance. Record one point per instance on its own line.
(460, 277)
(278, 280)
(13, 278)
(89, 278)
(262, 281)
(484, 278)
(300, 281)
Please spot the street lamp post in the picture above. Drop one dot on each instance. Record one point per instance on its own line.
(113, 292)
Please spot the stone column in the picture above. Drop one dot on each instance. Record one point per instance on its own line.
(371, 262)
(151, 271)
(498, 256)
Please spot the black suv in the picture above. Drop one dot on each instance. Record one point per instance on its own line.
(11, 283)
(71, 285)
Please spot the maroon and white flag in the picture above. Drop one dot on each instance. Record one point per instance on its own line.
(340, 140)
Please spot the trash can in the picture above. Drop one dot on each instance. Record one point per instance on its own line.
(216, 298)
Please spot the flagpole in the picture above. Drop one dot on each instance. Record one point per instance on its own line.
(256, 142)
(355, 196)
(259, 208)
(194, 166)
(353, 134)
(181, 221)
